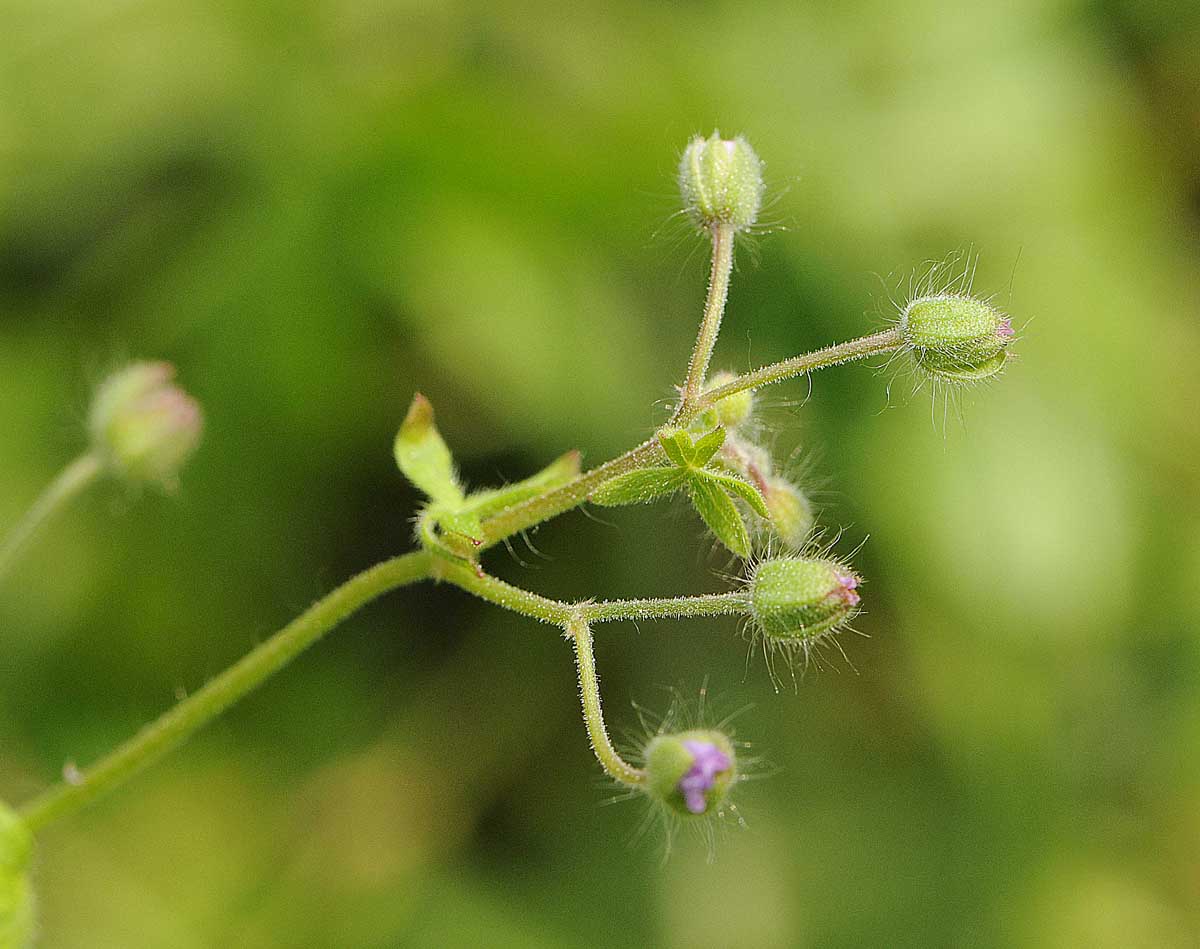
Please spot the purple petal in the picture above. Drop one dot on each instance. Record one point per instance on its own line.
(707, 762)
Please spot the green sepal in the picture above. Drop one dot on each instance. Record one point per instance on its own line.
(424, 458)
(639, 487)
(706, 446)
(678, 446)
(461, 532)
(494, 500)
(721, 515)
(743, 489)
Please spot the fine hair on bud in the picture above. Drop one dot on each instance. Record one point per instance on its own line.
(144, 426)
(798, 603)
(721, 182)
(956, 338)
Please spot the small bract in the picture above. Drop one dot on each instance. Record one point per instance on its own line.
(733, 410)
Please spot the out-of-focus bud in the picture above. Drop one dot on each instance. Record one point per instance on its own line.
(16, 895)
(956, 338)
(733, 410)
(691, 772)
(721, 182)
(791, 512)
(797, 599)
(143, 425)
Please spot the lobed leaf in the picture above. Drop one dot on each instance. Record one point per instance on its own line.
(639, 487)
(708, 445)
(743, 489)
(721, 515)
(678, 446)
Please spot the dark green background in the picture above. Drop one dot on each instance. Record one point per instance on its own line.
(316, 208)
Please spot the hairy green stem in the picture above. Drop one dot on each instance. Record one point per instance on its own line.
(887, 341)
(567, 496)
(472, 579)
(714, 310)
(593, 714)
(193, 713)
(66, 486)
(680, 607)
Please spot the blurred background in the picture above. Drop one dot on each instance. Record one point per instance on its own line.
(316, 208)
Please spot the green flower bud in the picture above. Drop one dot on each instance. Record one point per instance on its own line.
(798, 599)
(691, 772)
(791, 512)
(721, 182)
(16, 895)
(143, 426)
(956, 338)
(733, 410)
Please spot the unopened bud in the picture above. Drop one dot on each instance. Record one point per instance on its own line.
(721, 182)
(733, 410)
(791, 512)
(143, 425)
(795, 599)
(956, 338)
(16, 895)
(691, 772)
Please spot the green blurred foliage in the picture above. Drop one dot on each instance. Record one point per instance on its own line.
(316, 208)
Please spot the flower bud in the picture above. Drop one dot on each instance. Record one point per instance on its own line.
(956, 338)
(791, 512)
(143, 425)
(16, 895)
(733, 410)
(797, 599)
(692, 771)
(721, 182)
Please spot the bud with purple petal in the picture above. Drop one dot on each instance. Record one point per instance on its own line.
(795, 600)
(691, 772)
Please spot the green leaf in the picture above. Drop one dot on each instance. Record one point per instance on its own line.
(493, 500)
(639, 487)
(708, 445)
(720, 514)
(678, 446)
(423, 457)
(743, 489)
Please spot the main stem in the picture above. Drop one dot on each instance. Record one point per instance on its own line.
(66, 486)
(710, 324)
(193, 713)
(593, 715)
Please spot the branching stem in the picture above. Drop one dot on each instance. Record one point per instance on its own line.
(710, 324)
